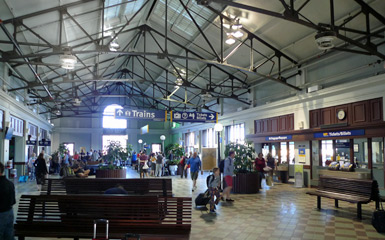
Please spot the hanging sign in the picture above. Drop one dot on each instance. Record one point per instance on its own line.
(114, 131)
(349, 133)
(45, 143)
(141, 114)
(194, 117)
(278, 138)
(31, 142)
(144, 129)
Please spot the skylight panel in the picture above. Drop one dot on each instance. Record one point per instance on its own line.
(179, 18)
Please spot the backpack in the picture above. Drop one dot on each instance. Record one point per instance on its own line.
(209, 180)
(222, 166)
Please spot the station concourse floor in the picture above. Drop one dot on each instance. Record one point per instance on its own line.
(280, 212)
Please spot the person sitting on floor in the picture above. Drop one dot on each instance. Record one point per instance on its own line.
(79, 172)
(118, 189)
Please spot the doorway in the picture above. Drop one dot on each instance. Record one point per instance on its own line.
(156, 148)
(70, 147)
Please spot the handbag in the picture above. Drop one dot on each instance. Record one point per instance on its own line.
(378, 219)
(145, 166)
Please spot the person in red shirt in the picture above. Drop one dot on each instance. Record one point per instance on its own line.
(76, 156)
(260, 163)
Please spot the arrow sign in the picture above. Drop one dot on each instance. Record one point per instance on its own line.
(202, 117)
(128, 113)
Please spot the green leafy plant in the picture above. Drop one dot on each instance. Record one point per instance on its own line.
(243, 156)
(115, 152)
(61, 150)
(176, 149)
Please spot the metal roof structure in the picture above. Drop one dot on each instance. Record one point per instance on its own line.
(173, 54)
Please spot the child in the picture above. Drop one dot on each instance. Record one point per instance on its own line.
(214, 184)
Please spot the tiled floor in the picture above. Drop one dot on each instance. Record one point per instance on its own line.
(282, 212)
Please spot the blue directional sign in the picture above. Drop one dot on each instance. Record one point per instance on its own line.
(140, 114)
(349, 133)
(276, 138)
(194, 117)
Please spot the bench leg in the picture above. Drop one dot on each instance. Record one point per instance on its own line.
(336, 203)
(318, 202)
(359, 211)
(377, 204)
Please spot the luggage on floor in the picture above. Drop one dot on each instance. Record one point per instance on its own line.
(378, 219)
(95, 225)
(202, 199)
(23, 178)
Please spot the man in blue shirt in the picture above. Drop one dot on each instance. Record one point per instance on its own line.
(195, 166)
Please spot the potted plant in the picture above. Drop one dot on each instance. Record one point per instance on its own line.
(111, 167)
(246, 177)
(178, 152)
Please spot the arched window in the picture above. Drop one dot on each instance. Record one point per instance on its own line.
(109, 120)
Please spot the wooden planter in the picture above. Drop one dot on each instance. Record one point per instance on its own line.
(107, 173)
(246, 183)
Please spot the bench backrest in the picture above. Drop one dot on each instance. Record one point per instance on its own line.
(148, 187)
(355, 187)
(77, 213)
(53, 186)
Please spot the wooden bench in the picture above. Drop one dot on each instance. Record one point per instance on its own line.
(148, 187)
(72, 216)
(357, 191)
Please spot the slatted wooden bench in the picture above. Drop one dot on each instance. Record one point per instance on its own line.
(148, 187)
(357, 191)
(72, 216)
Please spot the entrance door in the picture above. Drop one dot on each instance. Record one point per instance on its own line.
(156, 147)
(378, 160)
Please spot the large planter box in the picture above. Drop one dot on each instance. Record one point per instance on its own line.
(246, 183)
(107, 173)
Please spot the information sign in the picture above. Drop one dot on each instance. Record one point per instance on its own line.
(126, 113)
(278, 138)
(349, 133)
(194, 117)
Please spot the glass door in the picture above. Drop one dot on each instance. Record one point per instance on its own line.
(378, 160)
(327, 152)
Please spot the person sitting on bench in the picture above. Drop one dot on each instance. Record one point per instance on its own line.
(118, 189)
(79, 172)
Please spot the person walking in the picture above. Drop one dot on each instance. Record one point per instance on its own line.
(260, 164)
(195, 166)
(41, 170)
(228, 173)
(31, 167)
(7, 200)
(271, 164)
(153, 164)
(143, 164)
(159, 165)
(214, 185)
(182, 164)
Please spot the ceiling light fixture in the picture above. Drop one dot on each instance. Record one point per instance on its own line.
(179, 81)
(230, 40)
(237, 25)
(238, 34)
(325, 40)
(68, 61)
(58, 112)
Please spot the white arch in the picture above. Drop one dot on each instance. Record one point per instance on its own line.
(109, 120)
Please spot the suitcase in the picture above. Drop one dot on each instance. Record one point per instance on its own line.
(95, 224)
(202, 199)
(378, 219)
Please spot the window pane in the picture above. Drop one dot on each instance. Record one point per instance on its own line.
(109, 120)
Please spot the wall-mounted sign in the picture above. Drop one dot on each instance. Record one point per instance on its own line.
(146, 146)
(342, 144)
(112, 131)
(194, 117)
(45, 143)
(127, 113)
(144, 129)
(302, 155)
(278, 138)
(30, 142)
(350, 133)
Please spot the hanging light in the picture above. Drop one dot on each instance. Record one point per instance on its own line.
(230, 40)
(68, 61)
(237, 25)
(238, 34)
(179, 81)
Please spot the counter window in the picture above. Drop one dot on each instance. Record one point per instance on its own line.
(327, 151)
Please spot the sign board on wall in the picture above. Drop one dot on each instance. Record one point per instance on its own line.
(278, 138)
(358, 132)
(302, 155)
(45, 143)
(144, 129)
(31, 142)
(113, 131)
(194, 117)
(140, 114)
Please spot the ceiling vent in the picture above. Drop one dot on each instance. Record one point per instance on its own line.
(325, 40)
